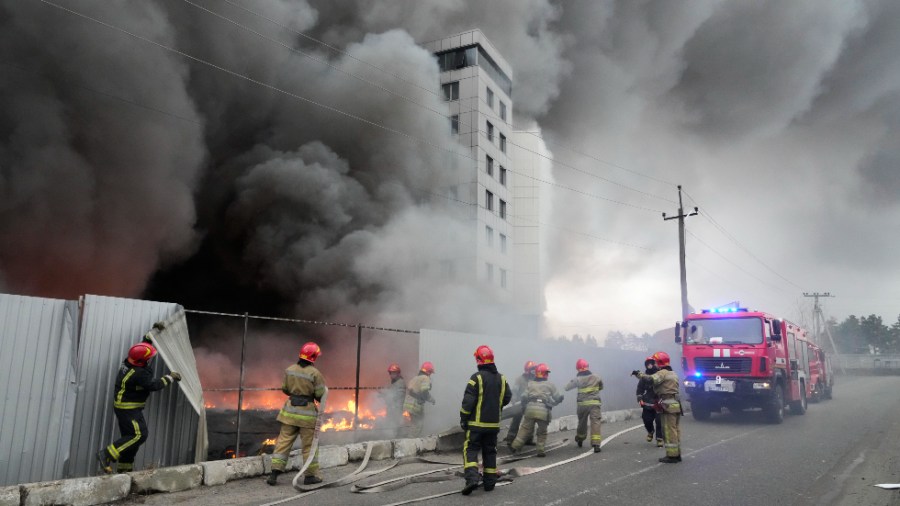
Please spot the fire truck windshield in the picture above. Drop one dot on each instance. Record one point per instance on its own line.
(725, 331)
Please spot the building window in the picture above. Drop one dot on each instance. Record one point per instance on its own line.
(490, 98)
(489, 236)
(503, 209)
(454, 124)
(503, 278)
(503, 143)
(488, 200)
(502, 243)
(451, 90)
(502, 111)
(458, 58)
(489, 165)
(503, 175)
(489, 272)
(490, 131)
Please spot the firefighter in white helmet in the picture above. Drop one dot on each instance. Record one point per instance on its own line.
(666, 385)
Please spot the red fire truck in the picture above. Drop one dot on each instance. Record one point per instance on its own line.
(740, 359)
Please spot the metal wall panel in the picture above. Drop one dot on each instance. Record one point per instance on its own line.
(37, 386)
(110, 326)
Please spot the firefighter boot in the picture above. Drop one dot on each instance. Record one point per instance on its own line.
(105, 461)
(473, 479)
(579, 442)
(649, 437)
(596, 448)
(273, 477)
(311, 480)
(659, 443)
(670, 460)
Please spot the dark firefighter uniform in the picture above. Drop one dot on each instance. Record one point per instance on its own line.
(589, 386)
(540, 397)
(486, 394)
(418, 392)
(304, 385)
(647, 399)
(665, 384)
(133, 386)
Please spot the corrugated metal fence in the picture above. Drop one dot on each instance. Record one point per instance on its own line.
(57, 369)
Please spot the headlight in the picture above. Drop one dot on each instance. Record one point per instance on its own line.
(689, 384)
(761, 386)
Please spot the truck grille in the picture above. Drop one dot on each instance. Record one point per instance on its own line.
(710, 365)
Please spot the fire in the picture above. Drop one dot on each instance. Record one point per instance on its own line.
(269, 442)
(342, 418)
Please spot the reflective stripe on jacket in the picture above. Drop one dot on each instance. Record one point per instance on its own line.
(589, 386)
(486, 393)
(305, 381)
(418, 392)
(133, 386)
(541, 396)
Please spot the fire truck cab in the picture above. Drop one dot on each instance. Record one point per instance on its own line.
(740, 359)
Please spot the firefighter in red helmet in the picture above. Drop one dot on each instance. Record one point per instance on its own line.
(519, 387)
(540, 397)
(134, 383)
(486, 393)
(647, 399)
(393, 396)
(589, 386)
(304, 385)
(418, 392)
(665, 384)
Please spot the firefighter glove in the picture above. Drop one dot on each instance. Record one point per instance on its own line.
(464, 424)
(432, 401)
(636, 373)
(175, 376)
(160, 326)
(148, 338)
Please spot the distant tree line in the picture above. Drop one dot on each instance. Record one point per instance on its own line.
(614, 339)
(867, 334)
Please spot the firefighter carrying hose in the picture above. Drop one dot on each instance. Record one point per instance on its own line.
(588, 403)
(418, 392)
(519, 387)
(540, 397)
(665, 384)
(648, 399)
(393, 396)
(134, 383)
(304, 385)
(486, 394)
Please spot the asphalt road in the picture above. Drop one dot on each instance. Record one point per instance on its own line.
(832, 455)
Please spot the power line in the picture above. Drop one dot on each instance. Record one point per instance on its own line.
(328, 107)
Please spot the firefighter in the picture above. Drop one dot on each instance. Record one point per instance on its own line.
(393, 396)
(304, 385)
(418, 392)
(519, 387)
(647, 399)
(486, 394)
(588, 403)
(665, 384)
(540, 397)
(134, 383)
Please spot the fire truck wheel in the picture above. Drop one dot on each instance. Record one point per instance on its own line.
(775, 410)
(700, 411)
(828, 392)
(799, 407)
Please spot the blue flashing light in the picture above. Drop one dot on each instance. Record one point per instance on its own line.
(698, 374)
(725, 310)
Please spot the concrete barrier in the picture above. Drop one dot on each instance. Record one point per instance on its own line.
(333, 456)
(217, 472)
(10, 496)
(77, 491)
(404, 448)
(167, 479)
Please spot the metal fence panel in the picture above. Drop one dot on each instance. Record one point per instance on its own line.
(110, 326)
(37, 395)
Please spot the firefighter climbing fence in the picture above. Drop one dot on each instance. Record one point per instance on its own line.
(267, 345)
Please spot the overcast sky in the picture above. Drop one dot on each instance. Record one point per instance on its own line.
(132, 164)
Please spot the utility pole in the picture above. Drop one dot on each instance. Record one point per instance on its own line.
(817, 315)
(681, 216)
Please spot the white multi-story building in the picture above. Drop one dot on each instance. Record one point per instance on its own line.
(477, 83)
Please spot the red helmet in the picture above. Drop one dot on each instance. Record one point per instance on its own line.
(394, 368)
(427, 368)
(484, 355)
(529, 366)
(541, 371)
(662, 358)
(141, 353)
(310, 351)
(582, 365)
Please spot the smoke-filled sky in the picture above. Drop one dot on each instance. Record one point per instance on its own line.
(209, 152)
